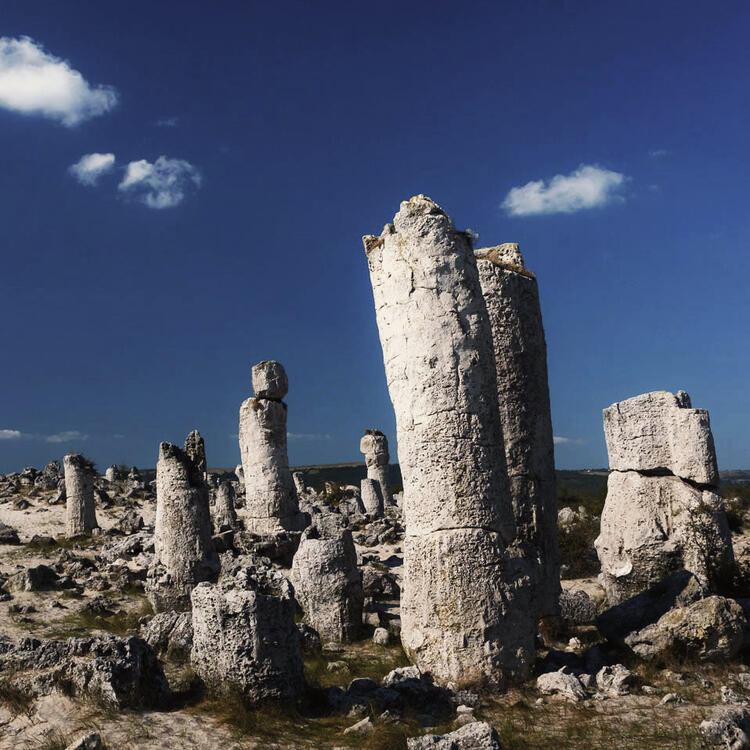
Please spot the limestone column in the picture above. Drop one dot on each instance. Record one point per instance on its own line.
(184, 553)
(663, 511)
(80, 517)
(224, 514)
(512, 298)
(271, 503)
(195, 447)
(374, 444)
(465, 606)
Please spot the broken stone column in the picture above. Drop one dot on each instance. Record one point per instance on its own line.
(271, 503)
(245, 639)
(374, 444)
(372, 497)
(299, 482)
(512, 298)
(465, 606)
(327, 582)
(663, 510)
(112, 474)
(184, 553)
(80, 517)
(224, 514)
(195, 447)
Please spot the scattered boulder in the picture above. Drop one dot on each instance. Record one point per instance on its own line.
(170, 633)
(577, 608)
(617, 680)
(561, 683)
(477, 735)
(728, 726)
(8, 535)
(90, 741)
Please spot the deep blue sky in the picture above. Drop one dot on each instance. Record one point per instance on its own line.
(309, 123)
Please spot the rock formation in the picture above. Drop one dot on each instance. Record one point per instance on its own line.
(465, 607)
(112, 474)
(371, 494)
(245, 639)
(512, 298)
(271, 499)
(374, 444)
(327, 582)
(195, 447)
(184, 553)
(663, 511)
(79, 489)
(224, 515)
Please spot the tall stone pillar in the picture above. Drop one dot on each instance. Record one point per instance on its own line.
(271, 503)
(184, 553)
(224, 514)
(465, 606)
(663, 510)
(195, 448)
(374, 444)
(512, 298)
(80, 516)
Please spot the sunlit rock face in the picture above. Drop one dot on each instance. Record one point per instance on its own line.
(512, 298)
(80, 516)
(465, 606)
(663, 510)
(374, 444)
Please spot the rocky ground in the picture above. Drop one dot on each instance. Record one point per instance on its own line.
(585, 693)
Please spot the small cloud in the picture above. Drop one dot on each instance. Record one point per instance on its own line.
(10, 435)
(34, 82)
(167, 122)
(559, 440)
(589, 186)
(307, 436)
(67, 436)
(658, 153)
(90, 167)
(163, 184)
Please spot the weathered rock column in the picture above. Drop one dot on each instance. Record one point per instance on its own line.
(371, 494)
(663, 510)
(184, 553)
(224, 514)
(195, 447)
(465, 606)
(80, 517)
(271, 503)
(374, 444)
(512, 298)
(327, 581)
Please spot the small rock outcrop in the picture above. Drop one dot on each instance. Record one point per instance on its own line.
(327, 582)
(374, 444)
(80, 517)
(479, 735)
(512, 298)
(271, 503)
(663, 511)
(465, 606)
(184, 553)
(245, 639)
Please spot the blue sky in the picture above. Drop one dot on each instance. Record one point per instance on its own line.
(240, 152)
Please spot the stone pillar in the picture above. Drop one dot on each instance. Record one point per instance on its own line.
(224, 515)
(374, 444)
(271, 503)
(327, 582)
(372, 497)
(240, 474)
(299, 482)
(512, 298)
(80, 515)
(184, 553)
(112, 473)
(663, 510)
(195, 447)
(465, 606)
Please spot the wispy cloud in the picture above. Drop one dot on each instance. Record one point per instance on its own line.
(658, 153)
(167, 122)
(35, 82)
(560, 440)
(163, 184)
(90, 167)
(67, 436)
(589, 186)
(11, 435)
(307, 436)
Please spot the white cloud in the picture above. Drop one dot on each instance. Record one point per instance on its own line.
(163, 184)
(560, 440)
(67, 436)
(307, 436)
(658, 153)
(167, 122)
(10, 434)
(588, 186)
(90, 167)
(34, 82)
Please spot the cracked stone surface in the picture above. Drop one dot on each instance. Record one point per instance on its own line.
(79, 490)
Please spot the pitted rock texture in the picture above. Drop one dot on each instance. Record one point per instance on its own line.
(478, 735)
(656, 432)
(224, 514)
(271, 503)
(327, 582)
(245, 639)
(663, 511)
(184, 553)
(195, 448)
(512, 298)
(440, 367)
(374, 444)
(79, 489)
